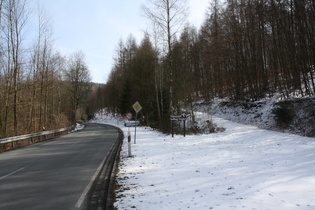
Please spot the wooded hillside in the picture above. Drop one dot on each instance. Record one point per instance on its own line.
(244, 50)
(40, 89)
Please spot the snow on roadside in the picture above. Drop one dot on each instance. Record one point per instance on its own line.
(241, 168)
(78, 127)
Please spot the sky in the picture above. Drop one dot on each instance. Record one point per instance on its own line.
(96, 27)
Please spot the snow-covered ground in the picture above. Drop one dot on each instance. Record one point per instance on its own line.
(241, 168)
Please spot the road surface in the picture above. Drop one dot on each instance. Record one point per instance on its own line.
(55, 174)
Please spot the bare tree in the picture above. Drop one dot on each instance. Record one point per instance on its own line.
(15, 17)
(169, 17)
(79, 79)
(41, 71)
(33, 93)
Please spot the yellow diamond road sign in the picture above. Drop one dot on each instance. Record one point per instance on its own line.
(137, 107)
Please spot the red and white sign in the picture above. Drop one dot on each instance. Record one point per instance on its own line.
(129, 116)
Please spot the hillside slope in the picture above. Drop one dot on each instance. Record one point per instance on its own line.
(295, 116)
(243, 167)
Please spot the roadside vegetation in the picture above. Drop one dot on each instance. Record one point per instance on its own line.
(245, 51)
(40, 89)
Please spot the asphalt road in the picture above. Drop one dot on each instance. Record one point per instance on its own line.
(55, 174)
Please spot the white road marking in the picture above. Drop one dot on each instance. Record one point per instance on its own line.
(11, 173)
(87, 188)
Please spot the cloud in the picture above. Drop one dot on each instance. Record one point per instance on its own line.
(198, 10)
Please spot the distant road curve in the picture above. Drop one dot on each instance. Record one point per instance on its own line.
(68, 172)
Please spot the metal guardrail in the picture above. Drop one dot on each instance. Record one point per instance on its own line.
(27, 136)
(28, 139)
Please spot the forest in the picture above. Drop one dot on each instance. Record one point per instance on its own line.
(245, 50)
(40, 89)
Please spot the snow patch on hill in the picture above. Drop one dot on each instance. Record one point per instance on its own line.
(260, 113)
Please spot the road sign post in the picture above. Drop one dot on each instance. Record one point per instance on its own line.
(129, 117)
(129, 143)
(137, 107)
(182, 117)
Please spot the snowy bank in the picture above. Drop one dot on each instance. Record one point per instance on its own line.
(260, 113)
(241, 168)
